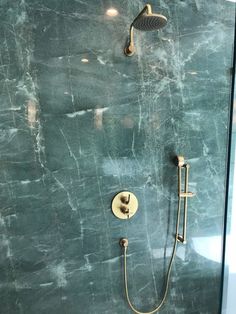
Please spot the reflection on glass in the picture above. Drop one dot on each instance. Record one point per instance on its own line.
(112, 12)
(208, 247)
(84, 60)
(229, 284)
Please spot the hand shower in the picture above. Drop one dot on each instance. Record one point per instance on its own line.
(145, 21)
(182, 194)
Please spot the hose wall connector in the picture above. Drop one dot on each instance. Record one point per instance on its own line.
(124, 242)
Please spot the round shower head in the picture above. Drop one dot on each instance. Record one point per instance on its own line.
(149, 22)
(145, 21)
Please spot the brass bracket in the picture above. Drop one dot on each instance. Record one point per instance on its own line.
(124, 205)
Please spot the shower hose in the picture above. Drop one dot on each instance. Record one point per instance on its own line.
(167, 275)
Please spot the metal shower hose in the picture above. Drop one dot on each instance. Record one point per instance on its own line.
(168, 271)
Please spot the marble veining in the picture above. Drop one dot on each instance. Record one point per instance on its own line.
(75, 133)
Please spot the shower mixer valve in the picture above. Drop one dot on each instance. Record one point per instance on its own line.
(124, 205)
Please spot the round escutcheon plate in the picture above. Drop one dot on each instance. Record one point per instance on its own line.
(124, 205)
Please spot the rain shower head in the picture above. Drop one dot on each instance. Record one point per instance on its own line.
(145, 21)
(149, 22)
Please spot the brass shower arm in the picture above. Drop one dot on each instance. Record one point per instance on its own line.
(130, 49)
(144, 21)
(147, 9)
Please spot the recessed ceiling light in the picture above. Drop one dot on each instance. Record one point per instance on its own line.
(84, 60)
(112, 12)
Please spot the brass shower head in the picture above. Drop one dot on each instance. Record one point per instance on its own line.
(145, 21)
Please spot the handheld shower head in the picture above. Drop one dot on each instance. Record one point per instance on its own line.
(145, 21)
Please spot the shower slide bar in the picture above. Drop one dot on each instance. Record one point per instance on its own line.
(183, 194)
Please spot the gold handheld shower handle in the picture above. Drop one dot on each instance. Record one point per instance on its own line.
(183, 194)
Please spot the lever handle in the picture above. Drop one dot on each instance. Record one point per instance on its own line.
(125, 200)
(124, 209)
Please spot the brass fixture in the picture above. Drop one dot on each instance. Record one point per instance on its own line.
(182, 238)
(124, 205)
(183, 194)
(145, 21)
(124, 242)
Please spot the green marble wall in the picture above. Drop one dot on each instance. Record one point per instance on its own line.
(73, 134)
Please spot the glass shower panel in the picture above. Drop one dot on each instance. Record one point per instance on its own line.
(229, 279)
(80, 121)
